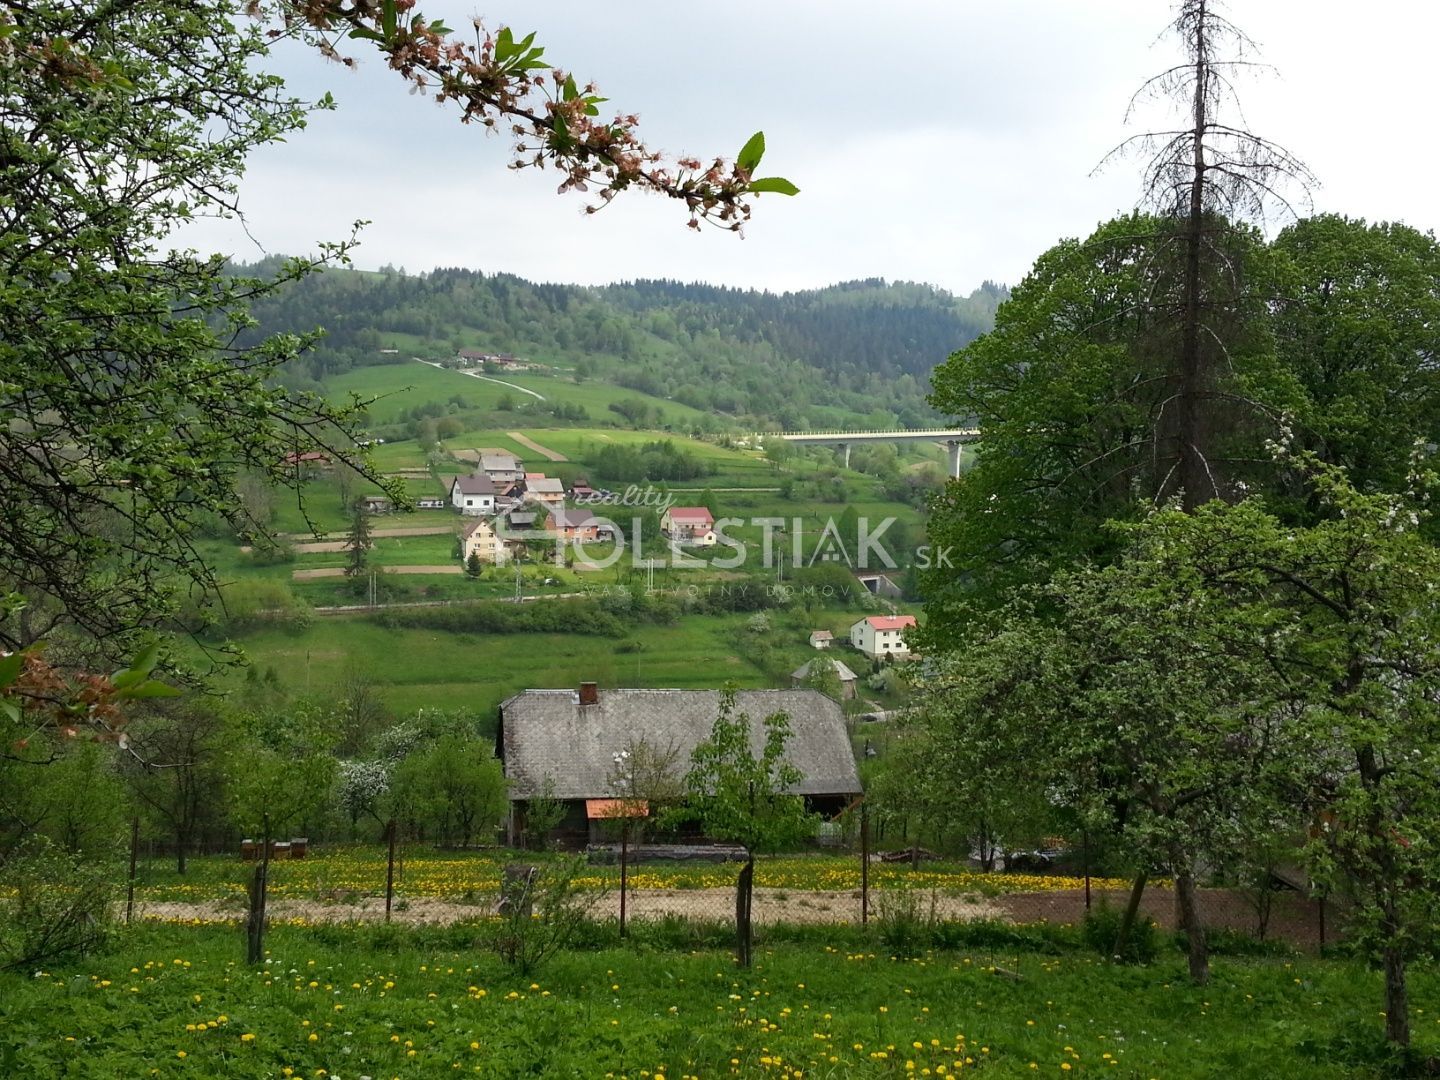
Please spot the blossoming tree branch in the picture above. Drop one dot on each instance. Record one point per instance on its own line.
(503, 83)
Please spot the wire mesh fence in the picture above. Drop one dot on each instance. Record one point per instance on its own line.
(413, 883)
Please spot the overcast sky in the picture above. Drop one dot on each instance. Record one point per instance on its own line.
(943, 141)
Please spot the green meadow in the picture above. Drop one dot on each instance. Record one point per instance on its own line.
(398, 388)
(175, 1002)
(417, 668)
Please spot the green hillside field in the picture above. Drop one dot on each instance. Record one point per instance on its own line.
(415, 669)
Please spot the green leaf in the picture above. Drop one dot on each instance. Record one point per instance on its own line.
(10, 710)
(10, 668)
(504, 45)
(388, 18)
(367, 35)
(751, 153)
(778, 184)
(139, 668)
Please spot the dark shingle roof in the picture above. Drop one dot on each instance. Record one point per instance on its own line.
(479, 484)
(548, 733)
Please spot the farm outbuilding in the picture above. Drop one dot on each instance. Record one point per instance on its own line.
(846, 677)
(567, 741)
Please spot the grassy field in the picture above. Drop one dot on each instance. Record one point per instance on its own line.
(174, 1002)
(732, 468)
(427, 668)
(401, 387)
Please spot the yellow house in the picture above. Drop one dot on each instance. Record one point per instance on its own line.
(479, 537)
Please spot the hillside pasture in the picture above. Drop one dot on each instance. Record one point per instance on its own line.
(398, 388)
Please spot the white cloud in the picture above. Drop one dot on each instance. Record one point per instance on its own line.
(944, 141)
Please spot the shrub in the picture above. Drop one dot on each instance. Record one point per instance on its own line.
(543, 912)
(906, 918)
(1102, 925)
(59, 906)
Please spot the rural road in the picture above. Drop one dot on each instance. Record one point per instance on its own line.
(483, 378)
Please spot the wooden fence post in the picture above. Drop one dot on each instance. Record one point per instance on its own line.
(864, 864)
(624, 880)
(134, 853)
(390, 868)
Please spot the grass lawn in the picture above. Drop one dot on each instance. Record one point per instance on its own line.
(176, 1002)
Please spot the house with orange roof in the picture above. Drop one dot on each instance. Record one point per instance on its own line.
(879, 636)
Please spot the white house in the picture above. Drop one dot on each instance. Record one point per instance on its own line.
(882, 635)
(473, 495)
(821, 639)
(690, 525)
(502, 468)
(479, 537)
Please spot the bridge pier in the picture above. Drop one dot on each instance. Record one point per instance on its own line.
(844, 449)
(953, 449)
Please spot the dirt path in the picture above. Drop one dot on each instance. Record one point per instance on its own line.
(339, 571)
(770, 906)
(526, 441)
(483, 378)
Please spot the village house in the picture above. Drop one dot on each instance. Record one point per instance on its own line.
(878, 636)
(801, 675)
(821, 639)
(307, 457)
(548, 491)
(564, 742)
(581, 493)
(431, 502)
(579, 525)
(473, 495)
(471, 357)
(480, 538)
(376, 504)
(692, 526)
(501, 468)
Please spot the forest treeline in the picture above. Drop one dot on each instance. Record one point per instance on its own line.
(795, 359)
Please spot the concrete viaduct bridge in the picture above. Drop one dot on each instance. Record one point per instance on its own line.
(951, 438)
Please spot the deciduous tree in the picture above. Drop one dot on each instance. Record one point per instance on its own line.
(741, 790)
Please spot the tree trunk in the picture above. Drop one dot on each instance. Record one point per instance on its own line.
(1397, 998)
(1127, 921)
(744, 891)
(1192, 442)
(180, 846)
(1194, 928)
(255, 923)
(259, 883)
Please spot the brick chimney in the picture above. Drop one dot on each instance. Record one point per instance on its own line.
(589, 693)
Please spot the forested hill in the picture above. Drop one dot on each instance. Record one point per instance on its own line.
(799, 359)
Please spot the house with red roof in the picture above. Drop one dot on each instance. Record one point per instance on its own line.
(879, 636)
(692, 526)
